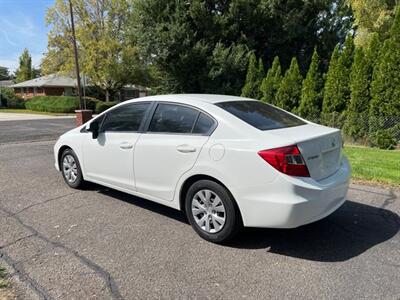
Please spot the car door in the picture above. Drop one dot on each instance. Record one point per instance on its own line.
(169, 148)
(109, 158)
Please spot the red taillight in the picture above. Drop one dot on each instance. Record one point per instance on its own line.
(287, 160)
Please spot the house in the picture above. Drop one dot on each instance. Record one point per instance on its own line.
(6, 83)
(55, 85)
(131, 91)
(51, 85)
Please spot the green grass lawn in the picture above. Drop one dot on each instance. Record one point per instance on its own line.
(374, 165)
(27, 111)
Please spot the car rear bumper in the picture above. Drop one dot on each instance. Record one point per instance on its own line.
(289, 202)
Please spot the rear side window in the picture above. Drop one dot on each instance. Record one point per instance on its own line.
(125, 118)
(173, 119)
(260, 115)
(204, 124)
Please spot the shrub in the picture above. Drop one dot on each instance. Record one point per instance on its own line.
(10, 100)
(91, 103)
(15, 102)
(59, 104)
(383, 139)
(102, 106)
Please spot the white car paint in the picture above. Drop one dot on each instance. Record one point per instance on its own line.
(154, 169)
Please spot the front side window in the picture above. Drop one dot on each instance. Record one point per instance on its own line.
(260, 115)
(125, 118)
(173, 119)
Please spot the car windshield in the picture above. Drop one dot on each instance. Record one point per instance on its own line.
(261, 115)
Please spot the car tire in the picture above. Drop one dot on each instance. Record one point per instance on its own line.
(219, 211)
(72, 172)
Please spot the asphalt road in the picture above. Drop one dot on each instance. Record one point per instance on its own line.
(60, 243)
(33, 130)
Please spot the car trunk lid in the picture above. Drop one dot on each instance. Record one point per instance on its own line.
(320, 146)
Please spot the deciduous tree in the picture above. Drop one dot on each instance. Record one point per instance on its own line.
(372, 16)
(106, 53)
(4, 74)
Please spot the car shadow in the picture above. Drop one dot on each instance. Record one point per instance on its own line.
(351, 230)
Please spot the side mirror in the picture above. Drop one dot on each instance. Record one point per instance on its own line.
(94, 129)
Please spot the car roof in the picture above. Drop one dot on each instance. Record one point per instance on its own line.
(188, 98)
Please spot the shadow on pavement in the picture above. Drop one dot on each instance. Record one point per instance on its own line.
(351, 230)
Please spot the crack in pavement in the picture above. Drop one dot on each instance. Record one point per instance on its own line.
(389, 200)
(105, 275)
(16, 241)
(20, 272)
(43, 202)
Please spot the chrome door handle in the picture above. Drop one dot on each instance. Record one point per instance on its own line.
(185, 148)
(125, 145)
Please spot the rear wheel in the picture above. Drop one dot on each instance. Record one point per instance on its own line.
(71, 169)
(211, 211)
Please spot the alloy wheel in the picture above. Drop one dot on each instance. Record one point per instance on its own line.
(208, 211)
(70, 169)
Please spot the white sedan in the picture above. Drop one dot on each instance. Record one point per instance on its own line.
(225, 161)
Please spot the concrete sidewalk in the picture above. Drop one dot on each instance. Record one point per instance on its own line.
(22, 116)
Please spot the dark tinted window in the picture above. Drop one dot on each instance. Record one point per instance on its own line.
(125, 118)
(203, 125)
(260, 115)
(173, 118)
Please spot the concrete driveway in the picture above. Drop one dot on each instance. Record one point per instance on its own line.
(60, 243)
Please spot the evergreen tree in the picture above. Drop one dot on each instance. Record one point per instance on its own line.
(271, 82)
(255, 74)
(385, 86)
(345, 62)
(372, 52)
(25, 70)
(289, 92)
(337, 86)
(360, 79)
(311, 93)
(330, 89)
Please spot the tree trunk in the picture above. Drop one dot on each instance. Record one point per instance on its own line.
(107, 95)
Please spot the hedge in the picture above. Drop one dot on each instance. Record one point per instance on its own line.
(102, 106)
(64, 104)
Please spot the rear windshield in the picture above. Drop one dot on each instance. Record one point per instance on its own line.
(260, 115)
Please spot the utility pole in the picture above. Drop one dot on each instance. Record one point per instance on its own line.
(82, 104)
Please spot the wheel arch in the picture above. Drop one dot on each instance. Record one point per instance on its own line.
(194, 178)
(60, 152)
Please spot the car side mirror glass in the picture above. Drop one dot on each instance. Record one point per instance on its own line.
(94, 129)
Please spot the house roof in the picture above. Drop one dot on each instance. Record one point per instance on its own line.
(47, 81)
(6, 83)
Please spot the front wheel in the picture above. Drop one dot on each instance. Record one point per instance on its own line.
(71, 169)
(211, 211)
